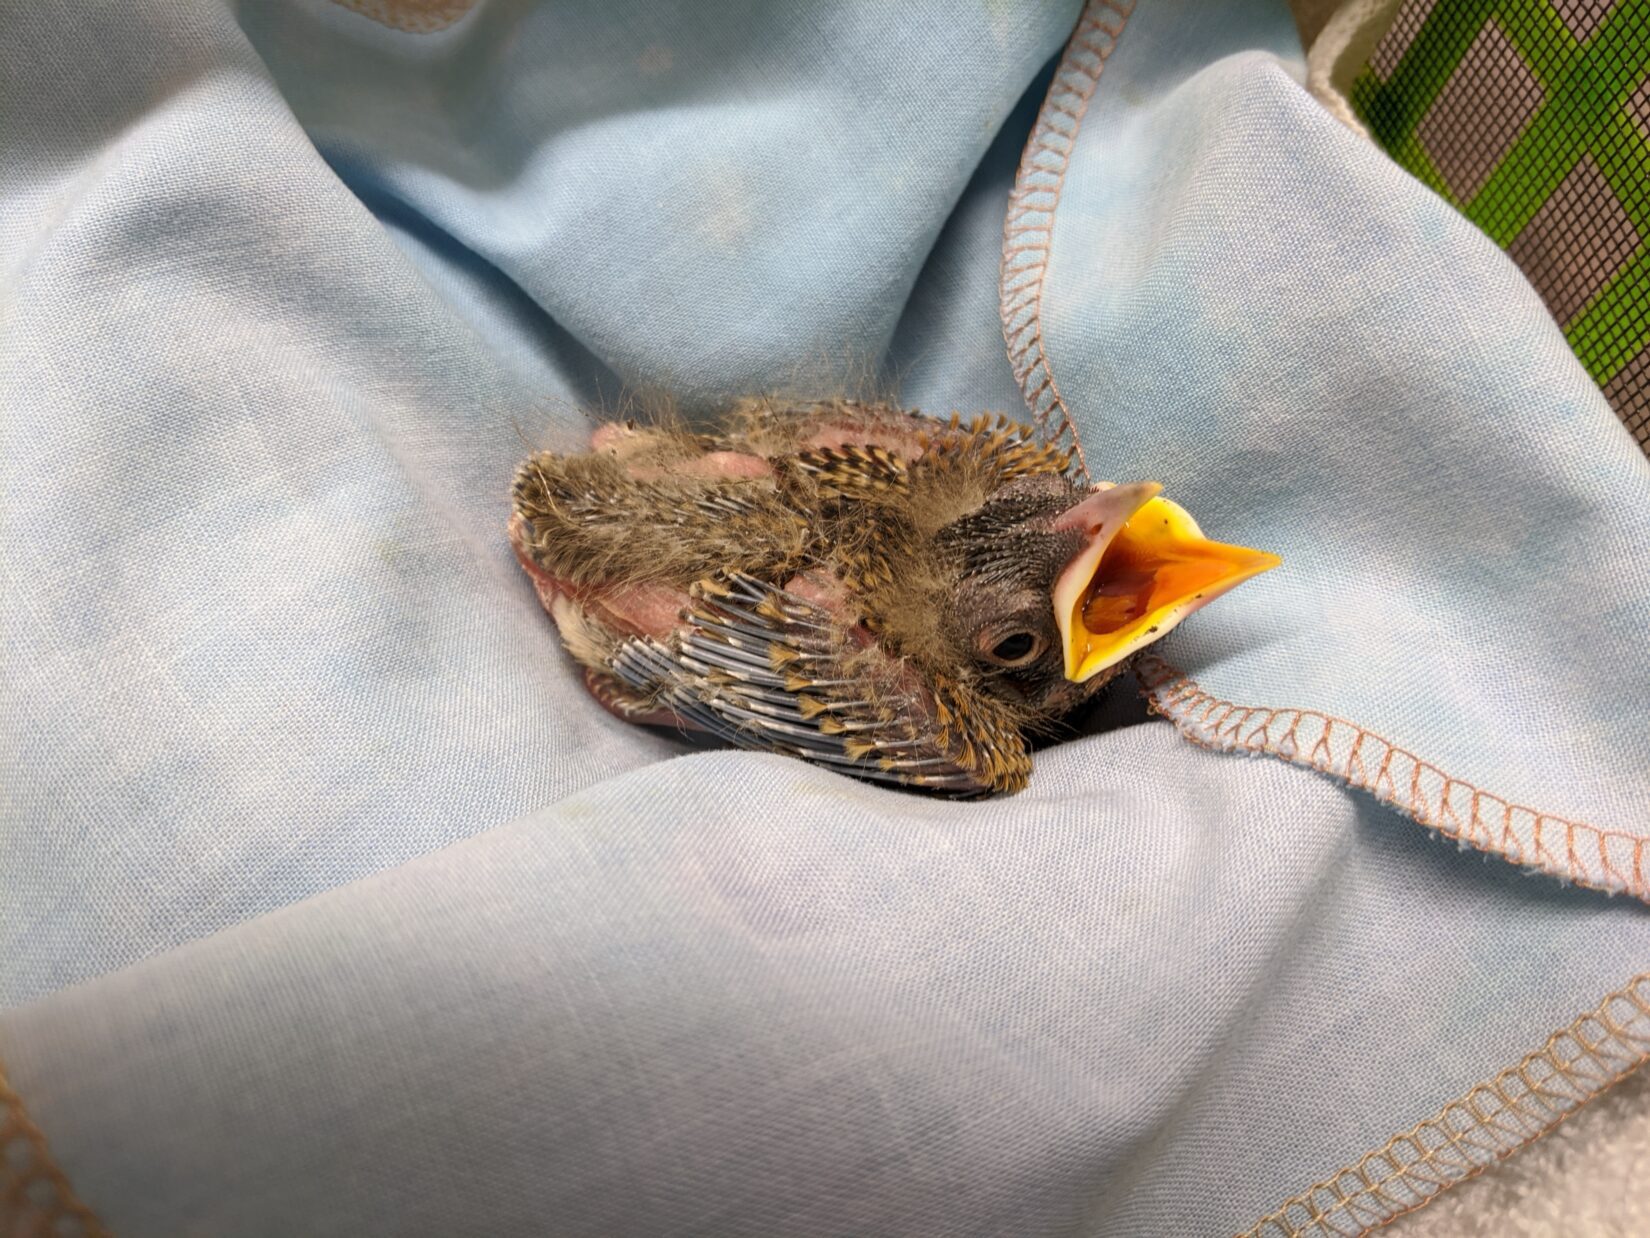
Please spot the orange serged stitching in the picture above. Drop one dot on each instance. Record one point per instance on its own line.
(1608, 860)
(1471, 1133)
(1522, 1103)
(35, 1196)
(411, 16)
(1028, 228)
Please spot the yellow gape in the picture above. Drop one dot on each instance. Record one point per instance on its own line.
(1144, 566)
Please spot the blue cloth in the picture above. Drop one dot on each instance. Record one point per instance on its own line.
(333, 905)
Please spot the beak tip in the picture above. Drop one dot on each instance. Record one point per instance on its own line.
(1141, 492)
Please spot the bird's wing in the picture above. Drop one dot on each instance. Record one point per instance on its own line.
(590, 521)
(992, 450)
(993, 445)
(766, 669)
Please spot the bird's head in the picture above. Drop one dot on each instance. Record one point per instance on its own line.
(1054, 588)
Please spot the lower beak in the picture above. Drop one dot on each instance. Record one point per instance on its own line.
(1144, 566)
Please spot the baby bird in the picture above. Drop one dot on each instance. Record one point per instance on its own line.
(900, 598)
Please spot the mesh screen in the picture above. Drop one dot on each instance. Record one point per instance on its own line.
(1533, 118)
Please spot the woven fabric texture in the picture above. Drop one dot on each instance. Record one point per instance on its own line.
(334, 906)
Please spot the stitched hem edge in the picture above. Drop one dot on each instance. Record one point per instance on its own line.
(1349, 37)
(1471, 1133)
(1522, 1103)
(35, 1195)
(1028, 229)
(411, 16)
(1606, 860)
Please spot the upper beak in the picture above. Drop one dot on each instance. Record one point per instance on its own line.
(1144, 566)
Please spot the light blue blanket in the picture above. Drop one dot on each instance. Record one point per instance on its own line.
(332, 905)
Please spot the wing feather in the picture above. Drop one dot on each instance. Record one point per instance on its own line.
(764, 669)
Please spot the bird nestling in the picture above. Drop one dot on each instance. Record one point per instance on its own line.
(899, 598)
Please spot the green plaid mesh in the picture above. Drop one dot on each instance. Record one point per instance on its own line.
(1533, 118)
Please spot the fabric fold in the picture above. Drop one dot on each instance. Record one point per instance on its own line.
(671, 1003)
(1323, 358)
(281, 290)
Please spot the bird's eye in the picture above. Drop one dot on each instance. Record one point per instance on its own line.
(1015, 649)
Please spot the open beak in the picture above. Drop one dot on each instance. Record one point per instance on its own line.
(1144, 566)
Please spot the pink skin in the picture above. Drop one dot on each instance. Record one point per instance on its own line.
(655, 610)
(645, 609)
(729, 464)
(822, 590)
(827, 593)
(611, 436)
(899, 442)
(542, 580)
(616, 438)
(642, 610)
(650, 610)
